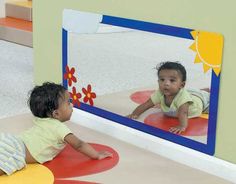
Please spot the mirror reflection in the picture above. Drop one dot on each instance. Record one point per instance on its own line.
(120, 65)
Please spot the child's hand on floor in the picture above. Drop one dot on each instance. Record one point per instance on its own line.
(178, 129)
(132, 116)
(104, 154)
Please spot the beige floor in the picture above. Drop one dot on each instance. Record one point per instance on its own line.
(136, 166)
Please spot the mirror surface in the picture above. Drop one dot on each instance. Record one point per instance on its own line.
(118, 64)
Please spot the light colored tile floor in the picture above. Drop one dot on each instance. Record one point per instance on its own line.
(16, 74)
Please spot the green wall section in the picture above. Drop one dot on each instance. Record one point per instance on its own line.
(214, 16)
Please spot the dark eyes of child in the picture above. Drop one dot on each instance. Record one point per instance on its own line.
(171, 80)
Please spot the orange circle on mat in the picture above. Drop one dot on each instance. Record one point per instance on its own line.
(196, 126)
(140, 97)
(70, 163)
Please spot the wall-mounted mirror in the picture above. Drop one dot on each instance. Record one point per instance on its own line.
(109, 67)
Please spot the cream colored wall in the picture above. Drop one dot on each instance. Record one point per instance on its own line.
(2, 8)
(215, 16)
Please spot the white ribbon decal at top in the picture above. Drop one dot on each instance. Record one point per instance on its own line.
(80, 22)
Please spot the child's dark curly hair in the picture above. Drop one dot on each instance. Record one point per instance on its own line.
(44, 99)
(168, 65)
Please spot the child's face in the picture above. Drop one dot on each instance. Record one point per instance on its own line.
(170, 82)
(65, 109)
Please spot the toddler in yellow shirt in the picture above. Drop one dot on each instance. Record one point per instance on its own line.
(51, 106)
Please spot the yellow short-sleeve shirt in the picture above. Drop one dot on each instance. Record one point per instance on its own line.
(45, 139)
(183, 96)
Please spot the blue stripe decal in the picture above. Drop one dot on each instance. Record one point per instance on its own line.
(147, 26)
(215, 86)
(64, 55)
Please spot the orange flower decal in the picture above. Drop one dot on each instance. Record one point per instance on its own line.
(75, 97)
(89, 95)
(69, 75)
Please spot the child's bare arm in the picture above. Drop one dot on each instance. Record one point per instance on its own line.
(85, 148)
(183, 119)
(141, 108)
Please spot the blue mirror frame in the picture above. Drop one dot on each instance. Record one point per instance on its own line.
(209, 147)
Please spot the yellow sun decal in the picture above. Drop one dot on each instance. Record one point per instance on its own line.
(208, 47)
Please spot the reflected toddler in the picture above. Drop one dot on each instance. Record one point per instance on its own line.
(174, 99)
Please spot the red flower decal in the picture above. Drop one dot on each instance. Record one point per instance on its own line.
(69, 75)
(89, 95)
(75, 97)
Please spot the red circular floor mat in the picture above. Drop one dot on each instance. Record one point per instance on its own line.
(196, 126)
(140, 97)
(70, 163)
